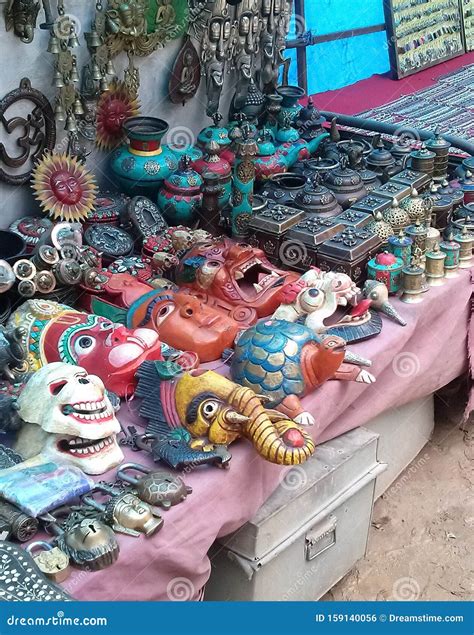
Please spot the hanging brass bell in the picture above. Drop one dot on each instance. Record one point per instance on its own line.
(93, 39)
(73, 42)
(53, 45)
(104, 85)
(110, 68)
(59, 113)
(58, 80)
(74, 77)
(71, 123)
(78, 108)
(95, 70)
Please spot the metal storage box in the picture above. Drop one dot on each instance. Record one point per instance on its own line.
(309, 533)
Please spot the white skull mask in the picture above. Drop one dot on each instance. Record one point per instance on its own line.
(73, 408)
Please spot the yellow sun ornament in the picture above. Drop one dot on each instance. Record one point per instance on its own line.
(63, 186)
(115, 106)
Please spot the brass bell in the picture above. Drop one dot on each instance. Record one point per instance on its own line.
(58, 79)
(71, 123)
(53, 45)
(104, 85)
(74, 77)
(93, 38)
(110, 68)
(73, 42)
(95, 70)
(59, 113)
(78, 108)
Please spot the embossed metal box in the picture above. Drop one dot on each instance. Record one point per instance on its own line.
(393, 189)
(306, 537)
(302, 240)
(348, 252)
(354, 218)
(371, 204)
(412, 178)
(270, 226)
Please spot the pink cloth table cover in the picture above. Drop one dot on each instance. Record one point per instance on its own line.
(409, 362)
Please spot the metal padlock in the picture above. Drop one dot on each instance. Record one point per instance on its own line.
(53, 562)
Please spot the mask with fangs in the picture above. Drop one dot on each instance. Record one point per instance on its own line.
(69, 416)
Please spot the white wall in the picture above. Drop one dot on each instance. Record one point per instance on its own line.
(31, 60)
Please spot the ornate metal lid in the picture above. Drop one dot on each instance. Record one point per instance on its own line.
(343, 178)
(438, 143)
(413, 178)
(276, 219)
(265, 145)
(109, 240)
(386, 262)
(185, 178)
(313, 230)
(401, 240)
(423, 153)
(354, 218)
(371, 204)
(435, 253)
(317, 198)
(350, 244)
(214, 133)
(392, 190)
(380, 157)
(417, 229)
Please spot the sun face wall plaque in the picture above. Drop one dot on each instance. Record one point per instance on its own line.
(64, 188)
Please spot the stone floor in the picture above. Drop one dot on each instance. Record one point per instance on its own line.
(421, 543)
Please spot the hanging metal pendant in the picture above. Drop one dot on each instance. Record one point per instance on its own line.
(185, 75)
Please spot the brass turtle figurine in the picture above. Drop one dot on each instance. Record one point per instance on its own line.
(158, 488)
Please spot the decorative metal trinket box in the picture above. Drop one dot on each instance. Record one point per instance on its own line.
(371, 204)
(393, 189)
(349, 252)
(304, 239)
(270, 226)
(413, 178)
(354, 218)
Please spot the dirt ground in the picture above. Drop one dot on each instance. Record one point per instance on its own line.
(421, 542)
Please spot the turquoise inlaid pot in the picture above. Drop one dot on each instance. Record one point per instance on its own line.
(142, 165)
(180, 197)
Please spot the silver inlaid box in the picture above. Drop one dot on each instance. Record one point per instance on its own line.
(418, 180)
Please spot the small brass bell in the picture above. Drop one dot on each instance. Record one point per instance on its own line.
(104, 85)
(71, 123)
(59, 113)
(53, 45)
(110, 68)
(93, 38)
(78, 108)
(96, 74)
(73, 42)
(58, 80)
(74, 77)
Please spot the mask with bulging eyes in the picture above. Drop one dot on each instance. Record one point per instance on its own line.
(55, 332)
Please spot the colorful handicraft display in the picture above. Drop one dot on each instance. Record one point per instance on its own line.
(55, 332)
(285, 361)
(63, 186)
(71, 418)
(204, 411)
(186, 322)
(237, 273)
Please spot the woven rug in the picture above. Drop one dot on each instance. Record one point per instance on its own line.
(447, 106)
